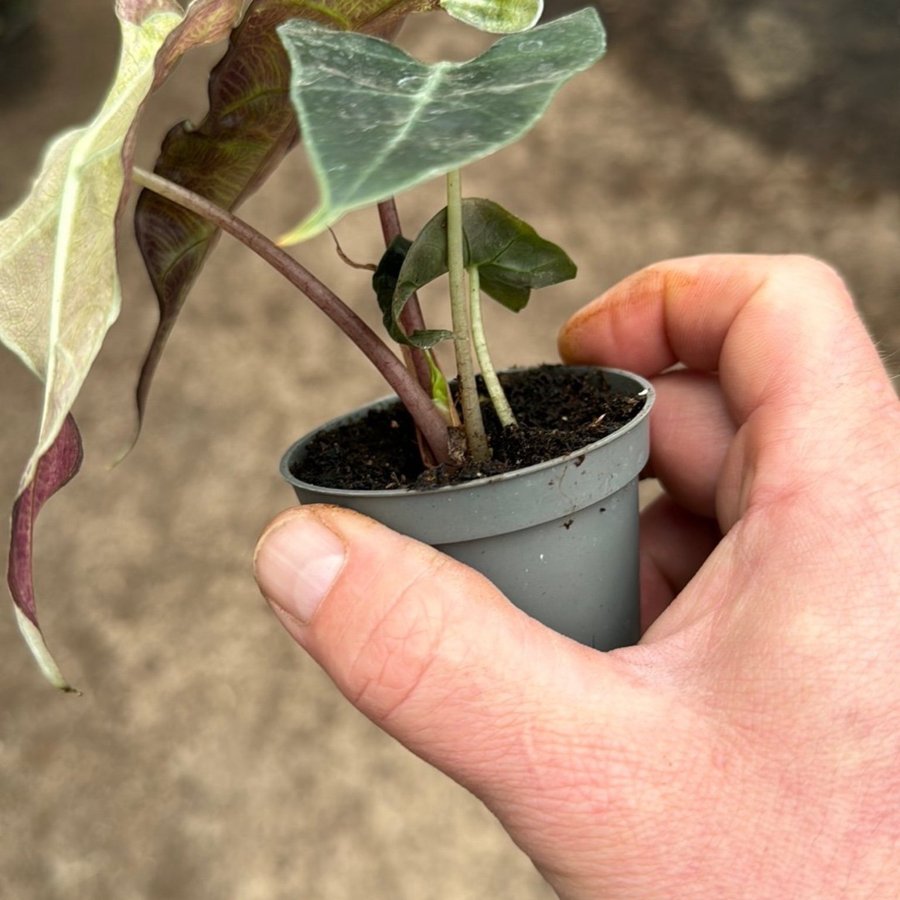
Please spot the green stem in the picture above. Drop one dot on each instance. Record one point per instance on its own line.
(425, 414)
(476, 437)
(488, 372)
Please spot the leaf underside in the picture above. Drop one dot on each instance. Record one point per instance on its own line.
(249, 127)
(55, 469)
(376, 121)
(58, 280)
(59, 287)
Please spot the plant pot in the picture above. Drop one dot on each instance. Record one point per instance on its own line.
(560, 539)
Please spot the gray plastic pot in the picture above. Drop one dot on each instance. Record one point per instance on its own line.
(560, 539)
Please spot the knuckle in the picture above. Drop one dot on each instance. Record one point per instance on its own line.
(818, 272)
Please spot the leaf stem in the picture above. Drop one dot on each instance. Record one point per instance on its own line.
(411, 319)
(485, 363)
(426, 416)
(476, 437)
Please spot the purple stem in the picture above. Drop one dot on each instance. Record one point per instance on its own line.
(427, 417)
(411, 319)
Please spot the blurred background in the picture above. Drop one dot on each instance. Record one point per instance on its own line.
(208, 758)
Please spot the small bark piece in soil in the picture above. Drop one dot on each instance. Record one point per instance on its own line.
(559, 410)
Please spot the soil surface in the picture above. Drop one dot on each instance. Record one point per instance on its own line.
(558, 410)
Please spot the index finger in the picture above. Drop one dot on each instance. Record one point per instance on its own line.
(797, 374)
(776, 329)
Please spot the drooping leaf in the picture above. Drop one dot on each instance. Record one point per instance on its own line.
(377, 121)
(59, 287)
(249, 127)
(496, 16)
(54, 469)
(384, 283)
(511, 257)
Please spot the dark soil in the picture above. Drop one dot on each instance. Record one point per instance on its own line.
(559, 410)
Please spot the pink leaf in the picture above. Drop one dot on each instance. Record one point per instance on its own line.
(54, 469)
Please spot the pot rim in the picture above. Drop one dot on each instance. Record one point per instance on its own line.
(646, 391)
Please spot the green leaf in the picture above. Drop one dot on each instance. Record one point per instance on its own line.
(511, 257)
(376, 121)
(384, 283)
(440, 390)
(496, 16)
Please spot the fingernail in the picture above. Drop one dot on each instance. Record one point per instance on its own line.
(296, 564)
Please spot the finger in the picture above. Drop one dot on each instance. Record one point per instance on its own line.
(709, 311)
(438, 658)
(674, 311)
(690, 433)
(783, 337)
(674, 545)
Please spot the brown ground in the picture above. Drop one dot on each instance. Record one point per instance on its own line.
(208, 757)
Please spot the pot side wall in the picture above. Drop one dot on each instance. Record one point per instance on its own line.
(560, 539)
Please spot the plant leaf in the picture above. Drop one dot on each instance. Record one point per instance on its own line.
(58, 283)
(376, 121)
(249, 127)
(496, 16)
(512, 258)
(384, 283)
(59, 287)
(54, 469)
(440, 390)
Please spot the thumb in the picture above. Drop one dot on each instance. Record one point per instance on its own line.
(435, 655)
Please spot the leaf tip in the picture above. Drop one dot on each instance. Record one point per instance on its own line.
(124, 453)
(310, 227)
(38, 647)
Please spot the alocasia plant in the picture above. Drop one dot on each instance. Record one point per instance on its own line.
(373, 120)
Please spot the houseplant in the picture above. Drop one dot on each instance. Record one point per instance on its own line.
(374, 121)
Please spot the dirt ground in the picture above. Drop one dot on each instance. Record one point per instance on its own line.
(208, 758)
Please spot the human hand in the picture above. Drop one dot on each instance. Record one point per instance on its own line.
(749, 746)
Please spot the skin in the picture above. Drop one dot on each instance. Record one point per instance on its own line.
(749, 746)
